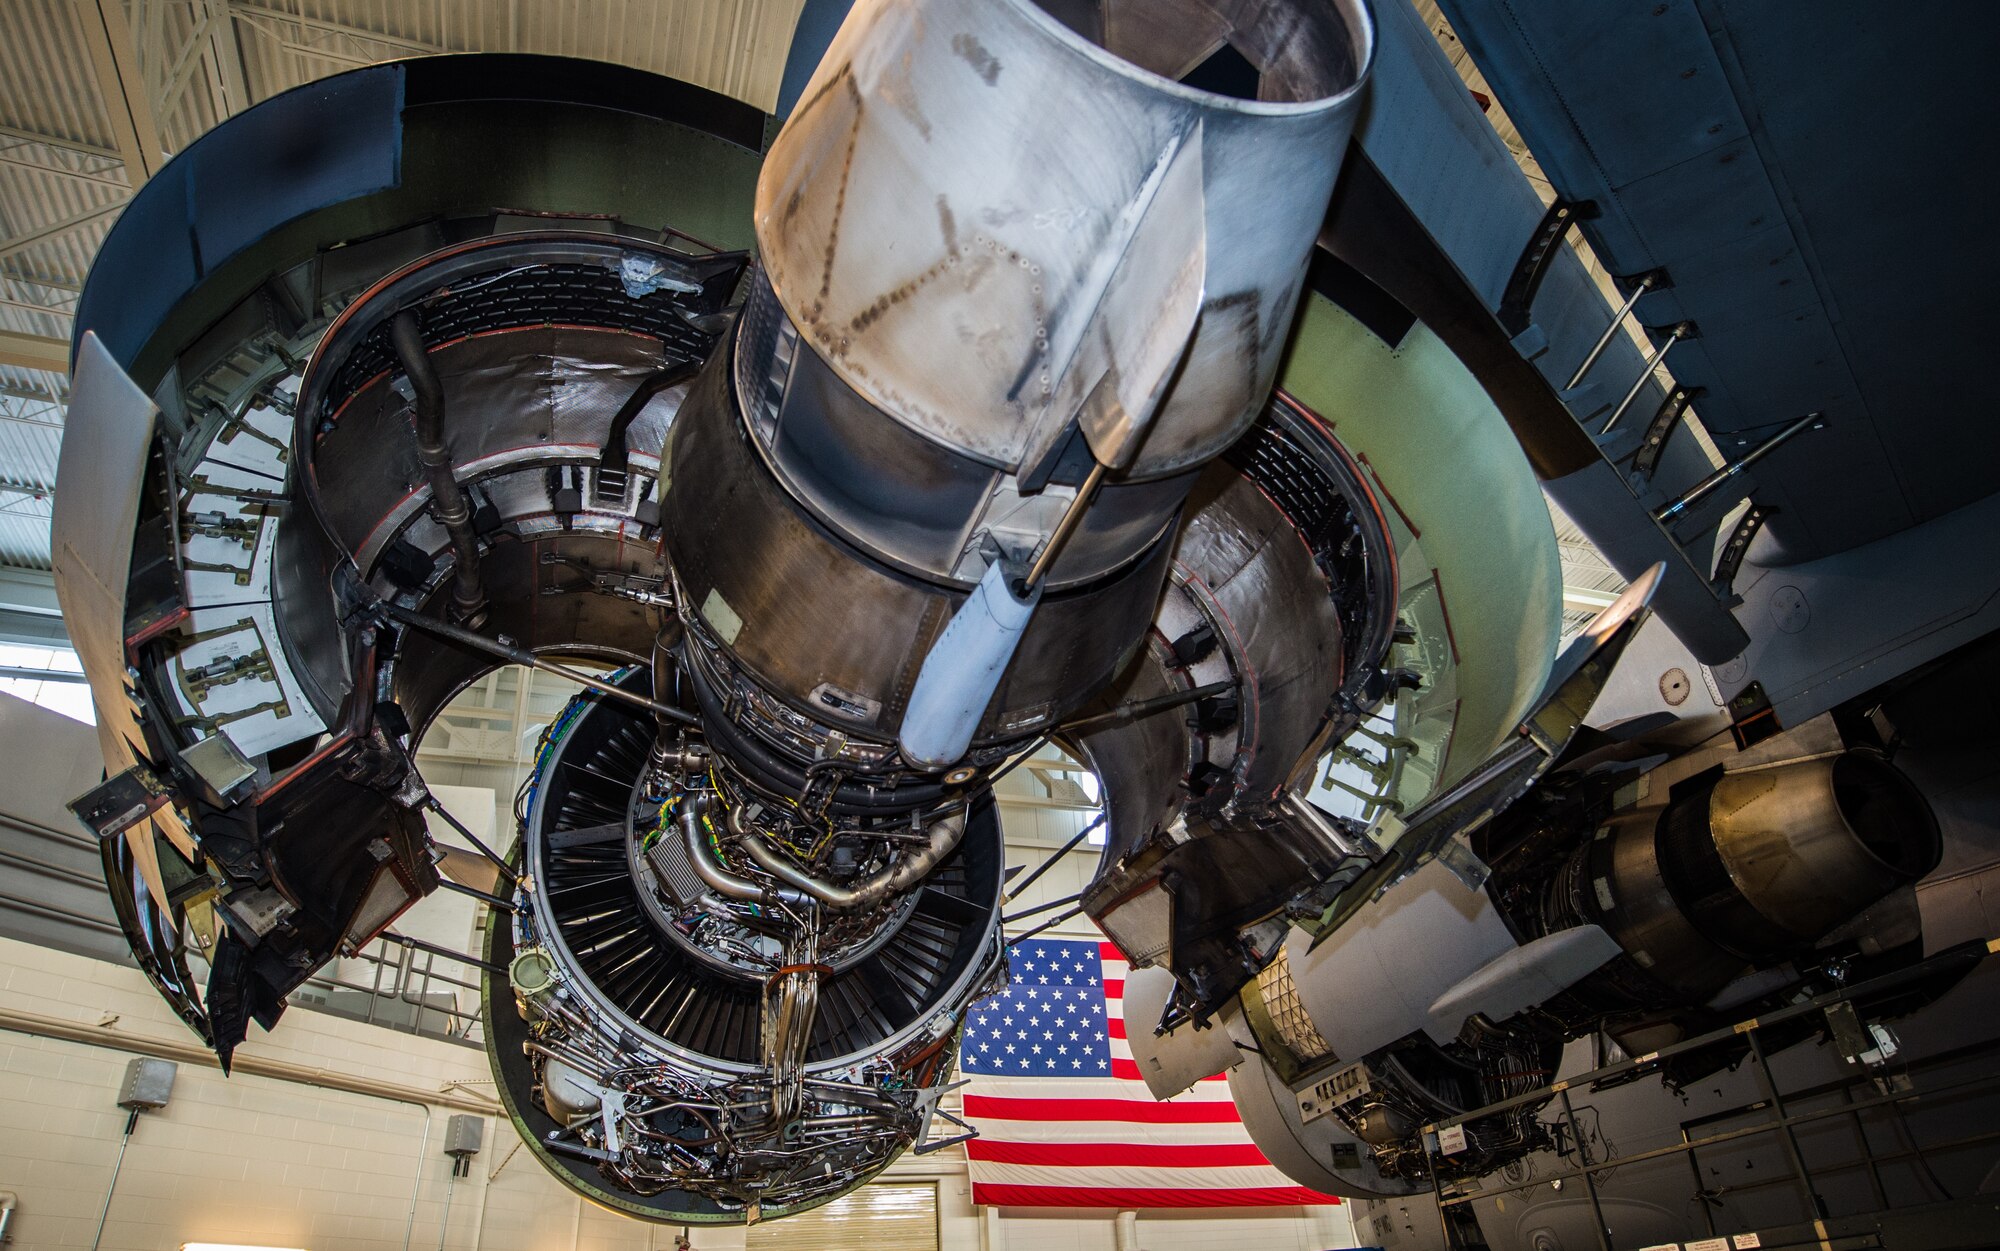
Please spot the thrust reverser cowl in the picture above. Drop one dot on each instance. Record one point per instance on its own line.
(1054, 173)
(997, 233)
(1017, 290)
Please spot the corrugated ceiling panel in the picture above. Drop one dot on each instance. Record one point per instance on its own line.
(24, 531)
(47, 88)
(177, 58)
(30, 437)
(32, 200)
(45, 81)
(28, 452)
(736, 47)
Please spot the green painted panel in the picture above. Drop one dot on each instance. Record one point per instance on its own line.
(1448, 464)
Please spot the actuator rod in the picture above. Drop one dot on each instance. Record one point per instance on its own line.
(522, 656)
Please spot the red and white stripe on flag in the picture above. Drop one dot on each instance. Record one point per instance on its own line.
(1063, 1116)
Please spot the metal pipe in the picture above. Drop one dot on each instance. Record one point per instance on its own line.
(665, 678)
(615, 451)
(1071, 515)
(1125, 713)
(1674, 336)
(8, 1202)
(791, 1001)
(1640, 288)
(444, 1221)
(1815, 1206)
(417, 1177)
(1038, 909)
(506, 870)
(187, 1051)
(131, 1122)
(713, 875)
(1044, 866)
(26, 674)
(473, 892)
(1707, 486)
(468, 594)
(463, 957)
(1437, 1194)
(906, 871)
(1700, 1190)
(522, 656)
(1051, 923)
(1589, 1182)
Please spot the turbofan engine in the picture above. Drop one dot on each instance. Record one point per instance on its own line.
(981, 452)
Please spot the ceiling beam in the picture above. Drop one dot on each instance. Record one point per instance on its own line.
(60, 143)
(34, 351)
(257, 12)
(1587, 599)
(42, 234)
(9, 391)
(10, 274)
(228, 57)
(108, 178)
(114, 60)
(29, 306)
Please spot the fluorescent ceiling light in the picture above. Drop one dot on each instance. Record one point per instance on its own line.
(231, 1246)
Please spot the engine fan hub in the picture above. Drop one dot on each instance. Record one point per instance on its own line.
(689, 1054)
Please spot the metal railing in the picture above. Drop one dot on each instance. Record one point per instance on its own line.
(406, 991)
(1779, 1119)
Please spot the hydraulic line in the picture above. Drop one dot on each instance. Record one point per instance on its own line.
(468, 594)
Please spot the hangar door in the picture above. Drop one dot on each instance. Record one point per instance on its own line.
(887, 1216)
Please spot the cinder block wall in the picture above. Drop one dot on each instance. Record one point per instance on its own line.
(265, 1161)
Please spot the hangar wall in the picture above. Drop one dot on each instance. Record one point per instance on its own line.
(259, 1159)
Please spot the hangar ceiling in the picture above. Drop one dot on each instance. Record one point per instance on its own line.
(95, 94)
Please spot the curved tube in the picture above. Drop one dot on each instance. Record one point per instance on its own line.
(906, 872)
(468, 595)
(713, 875)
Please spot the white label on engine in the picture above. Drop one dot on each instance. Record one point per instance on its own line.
(1451, 1140)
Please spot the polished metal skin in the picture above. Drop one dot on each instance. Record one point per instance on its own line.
(1807, 846)
(1044, 278)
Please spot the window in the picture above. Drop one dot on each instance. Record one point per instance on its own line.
(19, 662)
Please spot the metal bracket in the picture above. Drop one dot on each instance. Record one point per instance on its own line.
(1465, 865)
(927, 1103)
(1654, 443)
(121, 802)
(1518, 300)
(1731, 559)
(1751, 717)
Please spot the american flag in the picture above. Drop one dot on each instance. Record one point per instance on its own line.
(1064, 1118)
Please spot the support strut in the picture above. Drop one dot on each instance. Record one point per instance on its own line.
(468, 594)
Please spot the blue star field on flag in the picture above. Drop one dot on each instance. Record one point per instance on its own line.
(1050, 1020)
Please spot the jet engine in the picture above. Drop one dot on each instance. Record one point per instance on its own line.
(1645, 905)
(980, 451)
